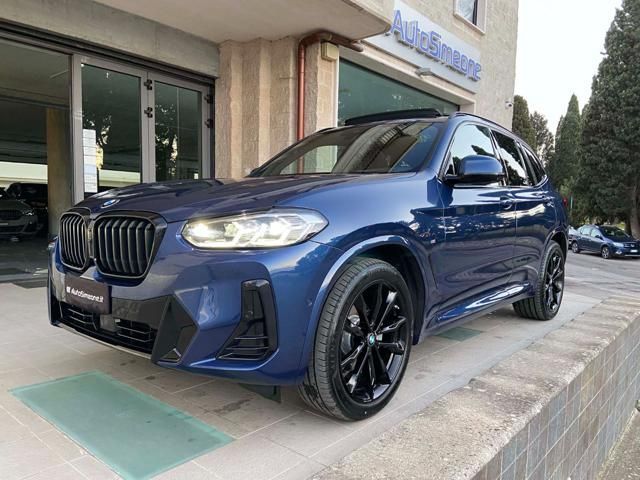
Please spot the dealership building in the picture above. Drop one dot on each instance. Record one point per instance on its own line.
(102, 94)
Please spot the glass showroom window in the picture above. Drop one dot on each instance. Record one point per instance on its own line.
(363, 92)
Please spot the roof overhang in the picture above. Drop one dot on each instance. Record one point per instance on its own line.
(244, 20)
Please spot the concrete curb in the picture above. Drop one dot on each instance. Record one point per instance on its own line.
(550, 411)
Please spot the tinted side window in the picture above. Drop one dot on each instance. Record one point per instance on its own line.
(536, 166)
(469, 140)
(516, 169)
(594, 232)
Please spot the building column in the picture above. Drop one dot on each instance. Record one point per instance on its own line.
(321, 80)
(59, 166)
(255, 104)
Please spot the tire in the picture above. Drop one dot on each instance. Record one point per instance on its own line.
(605, 252)
(538, 307)
(347, 346)
(575, 248)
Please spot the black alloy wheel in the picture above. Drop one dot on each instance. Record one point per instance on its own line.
(546, 302)
(605, 252)
(554, 282)
(374, 342)
(575, 248)
(362, 343)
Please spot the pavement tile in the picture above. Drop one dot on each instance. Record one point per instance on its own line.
(251, 457)
(61, 444)
(12, 430)
(25, 457)
(256, 412)
(92, 468)
(59, 472)
(190, 470)
(305, 432)
(172, 382)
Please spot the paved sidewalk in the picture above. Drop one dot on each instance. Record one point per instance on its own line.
(624, 462)
(271, 440)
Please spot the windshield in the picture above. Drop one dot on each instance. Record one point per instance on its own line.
(380, 148)
(613, 232)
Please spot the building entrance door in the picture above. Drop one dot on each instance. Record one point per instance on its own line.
(36, 170)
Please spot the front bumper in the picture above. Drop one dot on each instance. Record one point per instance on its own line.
(189, 308)
(23, 227)
(626, 252)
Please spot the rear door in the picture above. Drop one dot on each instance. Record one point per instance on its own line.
(582, 238)
(534, 206)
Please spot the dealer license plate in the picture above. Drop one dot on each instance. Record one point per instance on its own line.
(87, 294)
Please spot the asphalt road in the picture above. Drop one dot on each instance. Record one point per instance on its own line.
(591, 275)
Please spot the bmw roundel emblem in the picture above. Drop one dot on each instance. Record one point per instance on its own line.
(109, 203)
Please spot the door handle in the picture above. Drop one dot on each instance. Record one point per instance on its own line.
(506, 203)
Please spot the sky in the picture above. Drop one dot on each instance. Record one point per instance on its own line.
(559, 49)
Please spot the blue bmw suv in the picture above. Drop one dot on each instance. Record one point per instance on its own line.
(326, 264)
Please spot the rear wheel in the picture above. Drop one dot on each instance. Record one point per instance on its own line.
(605, 252)
(549, 291)
(362, 342)
(575, 248)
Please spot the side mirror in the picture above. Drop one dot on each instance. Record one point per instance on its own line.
(599, 237)
(477, 169)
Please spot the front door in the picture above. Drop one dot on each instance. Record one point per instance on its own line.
(479, 225)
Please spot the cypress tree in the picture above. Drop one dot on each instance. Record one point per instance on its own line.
(521, 123)
(564, 168)
(610, 173)
(544, 143)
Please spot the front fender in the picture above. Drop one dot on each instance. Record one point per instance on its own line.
(338, 267)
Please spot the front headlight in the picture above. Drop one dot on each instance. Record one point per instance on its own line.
(30, 213)
(276, 228)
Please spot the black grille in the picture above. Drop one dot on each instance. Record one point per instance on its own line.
(73, 240)
(126, 333)
(123, 245)
(10, 214)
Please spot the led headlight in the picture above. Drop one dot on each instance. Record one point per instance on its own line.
(275, 228)
(618, 245)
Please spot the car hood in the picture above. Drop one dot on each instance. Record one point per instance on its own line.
(181, 200)
(622, 239)
(11, 204)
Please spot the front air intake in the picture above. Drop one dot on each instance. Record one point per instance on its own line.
(123, 245)
(255, 337)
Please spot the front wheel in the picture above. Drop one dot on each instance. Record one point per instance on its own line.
(544, 305)
(575, 248)
(605, 252)
(362, 342)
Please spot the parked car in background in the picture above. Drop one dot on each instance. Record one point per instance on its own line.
(17, 219)
(326, 265)
(607, 240)
(36, 196)
(572, 234)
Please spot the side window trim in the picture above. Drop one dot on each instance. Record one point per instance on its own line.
(535, 158)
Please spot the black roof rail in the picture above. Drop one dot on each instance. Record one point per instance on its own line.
(466, 114)
(396, 115)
